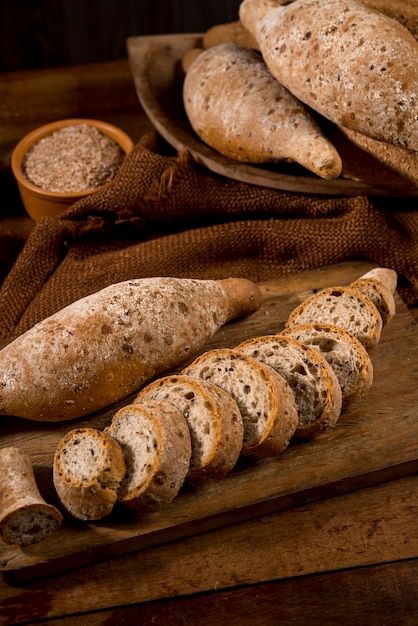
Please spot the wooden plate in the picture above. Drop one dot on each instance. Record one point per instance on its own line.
(155, 63)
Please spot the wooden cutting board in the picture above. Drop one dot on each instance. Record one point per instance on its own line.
(376, 439)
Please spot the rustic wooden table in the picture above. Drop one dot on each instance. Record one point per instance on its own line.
(346, 559)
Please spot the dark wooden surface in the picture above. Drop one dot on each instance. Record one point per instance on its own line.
(347, 559)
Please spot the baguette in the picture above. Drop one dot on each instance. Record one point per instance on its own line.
(316, 389)
(213, 417)
(263, 397)
(156, 444)
(344, 307)
(102, 348)
(237, 107)
(87, 471)
(352, 64)
(25, 517)
(346, 355)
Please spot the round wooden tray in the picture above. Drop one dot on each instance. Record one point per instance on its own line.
(155, 63)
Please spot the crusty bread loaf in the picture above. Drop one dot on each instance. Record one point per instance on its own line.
(88, 468)
(156, 444)
(342, 306)
(103, 347)
(237, 107)
(315, 387)
(213, 417)
(347, 356)
(264, 398)
(380, 294)
(25, 517)
(352, 64)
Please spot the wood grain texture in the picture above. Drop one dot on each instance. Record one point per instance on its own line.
(351, 559)
(374, 441)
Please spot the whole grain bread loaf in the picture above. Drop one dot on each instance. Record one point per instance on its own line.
(104, 347)
(156, 444)
(213, 417)
(237, 107)
(316, 389)
(87, 471)
(353, 65)
(264, 398)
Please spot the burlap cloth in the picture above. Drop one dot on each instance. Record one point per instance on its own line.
(165, 215)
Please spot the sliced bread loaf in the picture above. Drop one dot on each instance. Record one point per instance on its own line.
(316, 389)
(264, 398)
(344, 307)
(380, 294)
(347, 356)
(88, 468)
(213, 417)
(155, 440)
(25, 517)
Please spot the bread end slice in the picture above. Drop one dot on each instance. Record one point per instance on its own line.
(25, 517)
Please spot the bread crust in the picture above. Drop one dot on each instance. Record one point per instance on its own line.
(316, 389)
(88, 467)
(263, 397)
(213, 417)
(345, 307)
(353, 65)
(25, 517)
(102, 348)
(156, 444)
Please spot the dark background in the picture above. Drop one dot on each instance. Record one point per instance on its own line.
(54, 33)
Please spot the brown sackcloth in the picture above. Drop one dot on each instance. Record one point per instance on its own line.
(165, 215)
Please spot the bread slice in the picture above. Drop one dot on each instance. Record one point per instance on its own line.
(342, 306)
(380, 294)
(156, 444)
(25, 517)
(88, 468)
(316, 389)
(264, 398)
(213, 417)
(347, 356)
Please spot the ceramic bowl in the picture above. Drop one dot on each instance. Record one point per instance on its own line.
(38, 202)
